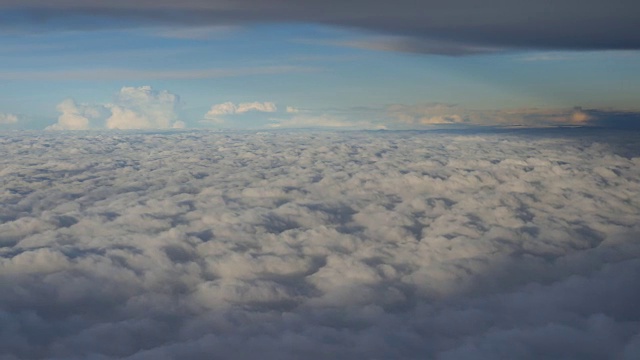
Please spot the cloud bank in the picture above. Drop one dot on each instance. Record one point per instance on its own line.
(315, 245)
(451, 114)
(75, 116)
(8, 119)
(218, 112)
(144, 108)
(133, 108)
(456, 27)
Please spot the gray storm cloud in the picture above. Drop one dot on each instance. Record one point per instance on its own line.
(317, 245)
(455, 27)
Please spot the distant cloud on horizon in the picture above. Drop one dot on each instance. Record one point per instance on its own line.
(146, 108)
(218, 112)
(6, 119)
(133, 108)
(427, 114)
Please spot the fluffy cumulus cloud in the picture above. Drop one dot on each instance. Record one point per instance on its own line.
(143, 108)
(316, 245)
(8, 119)
(291, 117)
(218, 111)
(74, 116)
(455, 27)
(447, 114)
(133, 108)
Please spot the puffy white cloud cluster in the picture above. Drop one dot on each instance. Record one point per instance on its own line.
(316, 245)
(133, 108)
(144, 108)
(75, 116)
(8, 118)
(218, 112)
(291, 117)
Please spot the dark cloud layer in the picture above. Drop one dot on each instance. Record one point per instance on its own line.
(453, 27)
(320, 245)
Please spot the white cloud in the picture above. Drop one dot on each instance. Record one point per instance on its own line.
(229, 108)
(292, 110)
(217, 112)
(133, 108)
(323, 244)
(256, 106)
(8, 119)
(75, 116)
(143, 108)
(226, 108)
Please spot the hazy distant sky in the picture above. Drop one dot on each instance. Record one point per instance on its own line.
(364, 64)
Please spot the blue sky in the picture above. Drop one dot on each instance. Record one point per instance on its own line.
(325, 72)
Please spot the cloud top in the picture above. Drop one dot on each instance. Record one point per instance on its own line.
(316, 245)
(219, 112)
(133, 108)
(229, 108)
(143, 108)
(8, 119)
(75, 116)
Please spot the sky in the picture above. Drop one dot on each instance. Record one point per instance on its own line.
(79, 65)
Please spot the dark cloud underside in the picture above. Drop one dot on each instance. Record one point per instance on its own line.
(564, 24)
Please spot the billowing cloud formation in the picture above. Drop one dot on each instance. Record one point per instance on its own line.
(455, 27)
(143, 108)
(444, 114)
(75, 116)
(218, 111)
(353, 245)
(133, 108)
(291, 118)
(229, 108)
(8, 119)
